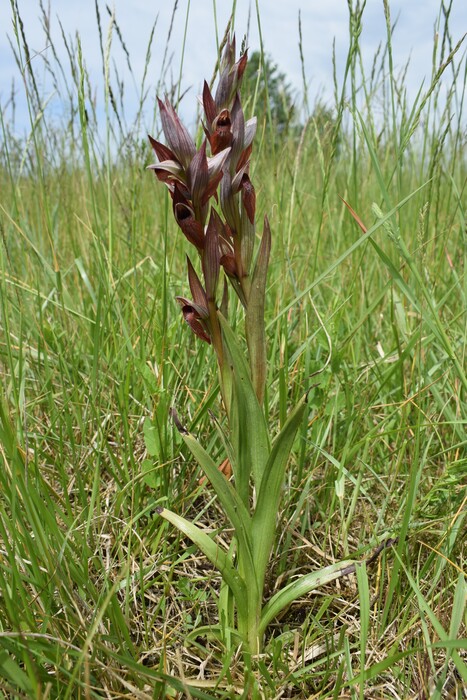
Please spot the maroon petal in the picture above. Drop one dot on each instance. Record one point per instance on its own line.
(221, 132)
(191, 228)
(191, 317)
(215, 170)
(201, 312)
(162, 175)
(217, 162)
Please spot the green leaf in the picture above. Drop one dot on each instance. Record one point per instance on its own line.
(151, 439)
(233, 507)
(300, 587)
(269, 493)
(214, 553)
(250, 438)
(151, 474)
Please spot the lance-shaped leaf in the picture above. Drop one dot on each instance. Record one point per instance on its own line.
(178, 138)
(214, 553)
(230, 501)
(210, 259)
(255, 330)
(270, 490)
(300, 587)
(250, 438)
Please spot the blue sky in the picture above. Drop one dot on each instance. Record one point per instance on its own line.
(323, 21)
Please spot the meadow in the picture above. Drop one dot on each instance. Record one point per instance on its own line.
(100, 597)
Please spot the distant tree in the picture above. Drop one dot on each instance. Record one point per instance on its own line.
(263, 80)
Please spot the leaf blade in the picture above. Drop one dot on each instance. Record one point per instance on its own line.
(233, 506)
(212, 551)
(302, 586)
(269, 493)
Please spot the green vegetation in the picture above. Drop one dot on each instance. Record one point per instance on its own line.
(99, 595)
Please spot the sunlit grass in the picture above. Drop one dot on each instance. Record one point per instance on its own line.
(97, 595)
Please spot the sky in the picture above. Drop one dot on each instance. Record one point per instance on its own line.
(322, 21)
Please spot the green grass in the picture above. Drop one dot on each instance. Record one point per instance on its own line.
(101, 598)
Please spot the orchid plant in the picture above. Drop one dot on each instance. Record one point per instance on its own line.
(214, 205)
